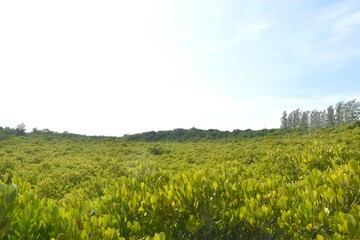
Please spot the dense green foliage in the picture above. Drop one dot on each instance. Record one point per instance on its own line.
(279, 185)
(195, 134)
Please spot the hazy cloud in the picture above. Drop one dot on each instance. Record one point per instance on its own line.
(120, 67)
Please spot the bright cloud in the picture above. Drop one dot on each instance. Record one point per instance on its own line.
(123, 67)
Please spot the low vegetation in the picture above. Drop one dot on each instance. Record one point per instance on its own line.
(181, 184)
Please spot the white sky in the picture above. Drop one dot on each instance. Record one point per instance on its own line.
(122, 67)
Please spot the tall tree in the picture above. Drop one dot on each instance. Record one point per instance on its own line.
(20, 129)
(297, 117)
(339, 113)
(355, 113)
(323, 119)
(290, 120)
(315, 121)
(284, 120)
(351, 110)
(305, 120)
(330, 115)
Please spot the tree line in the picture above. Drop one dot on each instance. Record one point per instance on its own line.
(194, 134)
(342, 112)
(178, 134)
(20, 130)
(297, 120)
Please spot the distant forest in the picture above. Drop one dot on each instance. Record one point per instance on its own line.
(178, 134)
(343, 112)
(295, 121)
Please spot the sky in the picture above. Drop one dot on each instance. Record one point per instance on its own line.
(122, 67)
